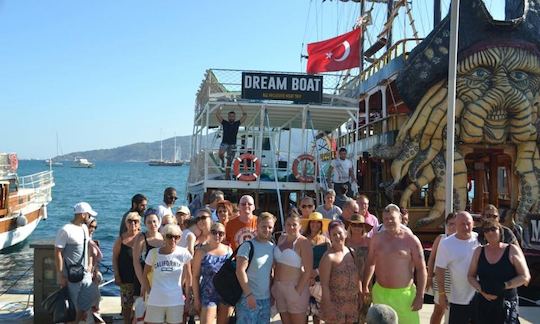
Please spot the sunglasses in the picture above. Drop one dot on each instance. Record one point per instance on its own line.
(307, 206)
(246, 204)
(491, 215)
(93, 226)
(171, 236)
(357, 225)
(490, 229)
(220, 233)
(133, 221)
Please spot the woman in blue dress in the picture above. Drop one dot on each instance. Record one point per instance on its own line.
(206, 262)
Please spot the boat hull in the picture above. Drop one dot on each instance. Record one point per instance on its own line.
(12, 231)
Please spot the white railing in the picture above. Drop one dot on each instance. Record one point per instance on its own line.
(40, 183)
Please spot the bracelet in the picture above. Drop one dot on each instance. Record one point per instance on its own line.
(249, 295)
(441, 293)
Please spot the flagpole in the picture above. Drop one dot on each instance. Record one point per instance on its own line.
(362, 12)
(450, 128)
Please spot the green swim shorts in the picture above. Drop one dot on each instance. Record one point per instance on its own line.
(400, 299)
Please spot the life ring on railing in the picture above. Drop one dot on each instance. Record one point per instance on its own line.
(247, 176)
(302, 177)
(13, 162)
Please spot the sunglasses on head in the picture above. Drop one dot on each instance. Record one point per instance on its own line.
(171, 236)
(490, 229)
(307, 206)
(220, 233)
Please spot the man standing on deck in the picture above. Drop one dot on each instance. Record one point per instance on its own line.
(341, 172)
(396, 255)
(169, 198)
(455, 253)
(71, 249)
(138, 204)
(228, 142)
(243, 227)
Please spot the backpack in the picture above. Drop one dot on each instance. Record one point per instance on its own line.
(225, 280)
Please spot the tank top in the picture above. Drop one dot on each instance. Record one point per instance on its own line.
(492, 275)
(147, 248)
(125, 264)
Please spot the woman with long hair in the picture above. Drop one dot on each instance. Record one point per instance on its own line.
(171, 270)
(497, 269)
(95, 253)
(314, 229)
(340, 281)
(143, 243)
(122, 260)
(206, 263)
(438, 310)
(293, 261)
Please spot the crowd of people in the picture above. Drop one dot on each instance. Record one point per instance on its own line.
(333, 264)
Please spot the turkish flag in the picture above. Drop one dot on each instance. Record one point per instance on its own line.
(335, 54)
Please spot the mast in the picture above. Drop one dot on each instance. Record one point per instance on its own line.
(389, 12)
(436, 12)
(160, 147)
(174, 152)
(362, 12)
(450, 122)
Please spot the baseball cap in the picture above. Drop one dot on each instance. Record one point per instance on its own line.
(84, 207)
(183, 210)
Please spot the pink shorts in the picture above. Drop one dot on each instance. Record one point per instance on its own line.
(288, 300)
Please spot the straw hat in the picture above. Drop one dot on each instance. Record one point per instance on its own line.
(315, 216)
(360, 219)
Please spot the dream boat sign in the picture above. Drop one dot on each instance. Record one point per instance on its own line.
(299, 88)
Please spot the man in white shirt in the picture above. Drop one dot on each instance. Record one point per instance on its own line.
(71, 249)
(169, 198)
(455, 253)
(341, 172)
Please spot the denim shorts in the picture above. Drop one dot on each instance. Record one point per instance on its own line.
(259, 315)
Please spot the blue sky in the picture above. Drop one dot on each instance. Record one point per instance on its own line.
(104, 74)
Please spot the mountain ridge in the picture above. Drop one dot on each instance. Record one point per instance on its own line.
(136, 152)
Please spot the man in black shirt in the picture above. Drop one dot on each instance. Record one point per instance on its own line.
(230, 130)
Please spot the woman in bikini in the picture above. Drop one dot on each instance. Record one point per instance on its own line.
(293, 261)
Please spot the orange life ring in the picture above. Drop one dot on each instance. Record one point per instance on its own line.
(13, 162)
(247, 176)
(300, 176)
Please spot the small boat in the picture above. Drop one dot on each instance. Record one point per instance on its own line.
(23, 200)
(53, 163)
(82, 163)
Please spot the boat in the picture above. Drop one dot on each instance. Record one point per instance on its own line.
(82, 163)
(23, 200)
(174, 162)
(52, 162)
(393, 124)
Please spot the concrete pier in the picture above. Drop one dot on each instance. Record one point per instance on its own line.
(110, 309)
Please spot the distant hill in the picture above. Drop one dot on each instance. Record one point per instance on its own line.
(136, 152)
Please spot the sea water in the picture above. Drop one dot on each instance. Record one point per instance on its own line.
(108, 188)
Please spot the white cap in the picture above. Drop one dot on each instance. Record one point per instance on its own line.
(83, 207)
(183, 210)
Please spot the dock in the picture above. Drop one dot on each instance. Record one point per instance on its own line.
(110, 310)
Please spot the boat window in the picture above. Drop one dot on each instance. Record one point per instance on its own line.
(503, 183)
(12, 185)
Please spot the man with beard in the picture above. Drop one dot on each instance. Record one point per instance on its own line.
(138, 204)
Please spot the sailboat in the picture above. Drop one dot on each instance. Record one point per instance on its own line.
(52, 162)
(161, 162)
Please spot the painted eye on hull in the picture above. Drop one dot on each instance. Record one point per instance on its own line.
(480, 74)
(519, 76)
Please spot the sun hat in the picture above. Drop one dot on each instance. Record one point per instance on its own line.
(360, 219)
(84, 207)
(316, 217)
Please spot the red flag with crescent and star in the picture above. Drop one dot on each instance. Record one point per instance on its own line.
(335, 54)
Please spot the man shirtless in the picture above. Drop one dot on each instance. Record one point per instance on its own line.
(395, 255)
